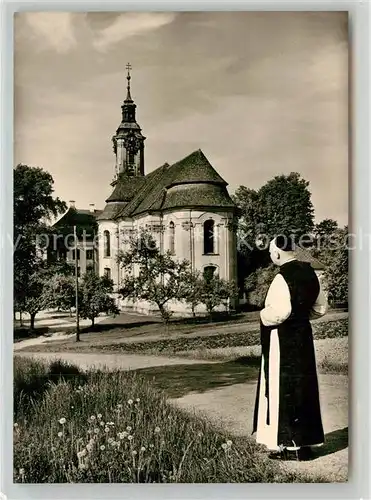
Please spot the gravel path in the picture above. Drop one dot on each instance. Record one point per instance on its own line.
(109, 361)
(232, 406)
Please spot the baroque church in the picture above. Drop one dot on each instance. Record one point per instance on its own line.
(185, 206)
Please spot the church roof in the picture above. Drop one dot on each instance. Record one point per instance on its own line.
(126, 188)
(195, 168)
(81, 218)
(303, 255)
(190, 182)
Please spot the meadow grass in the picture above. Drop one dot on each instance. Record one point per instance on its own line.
(171, 345)
(115, 427)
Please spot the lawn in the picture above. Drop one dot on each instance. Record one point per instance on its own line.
(150, 339)
(117, 427)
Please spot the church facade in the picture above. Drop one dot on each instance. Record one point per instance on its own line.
(185, 206)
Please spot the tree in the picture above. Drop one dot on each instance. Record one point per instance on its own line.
(335, 256)
(36, 289)
(192, 290)
(94, 297)
(34, 205)
(157, 278)
(282, 205)
(61, 292)
(216, 291)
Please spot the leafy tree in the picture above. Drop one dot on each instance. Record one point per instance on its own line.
(34, 205)
(192, 290)
(158, 278)
(335, 256)
(216, 291)
(36, 289)
(61, 292)
(94, 297)
(282, 205)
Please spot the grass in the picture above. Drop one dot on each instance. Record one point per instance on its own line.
(115, 427)
(249, 335)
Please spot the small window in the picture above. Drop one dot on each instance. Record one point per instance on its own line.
(172, 237)
(107, 272)
(209, 273)
(209, 236)
(107, 244)
(89, 255)
(78, 272)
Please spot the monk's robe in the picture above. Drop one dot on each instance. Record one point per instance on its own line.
(287, 408)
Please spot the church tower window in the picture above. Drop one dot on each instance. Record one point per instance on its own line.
(172, 237)
(107, 243)
(209, 243)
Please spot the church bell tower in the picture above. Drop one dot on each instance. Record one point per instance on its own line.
(128, 142)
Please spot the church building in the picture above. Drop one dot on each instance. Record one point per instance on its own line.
(185, 206)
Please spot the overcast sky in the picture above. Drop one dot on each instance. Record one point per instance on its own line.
(260, 93)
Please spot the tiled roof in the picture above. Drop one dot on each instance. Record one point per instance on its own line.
(195, 168)
(82, 219)
(154, 192)
(111, 210)
(305, 256)
(126, 188)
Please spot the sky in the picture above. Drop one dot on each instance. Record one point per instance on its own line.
(261, 93)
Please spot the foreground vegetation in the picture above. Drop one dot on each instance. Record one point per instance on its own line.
(114, 427)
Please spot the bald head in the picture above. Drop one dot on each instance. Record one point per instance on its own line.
(281, 249)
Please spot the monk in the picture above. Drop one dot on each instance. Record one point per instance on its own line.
(287, 416)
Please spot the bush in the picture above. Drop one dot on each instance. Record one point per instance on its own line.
(117, 428)
(257, 284)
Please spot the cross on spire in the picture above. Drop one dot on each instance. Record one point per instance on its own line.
(128, 67)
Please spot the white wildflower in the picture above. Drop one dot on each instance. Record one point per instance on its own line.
(130, 438)
(130, 402)
(157, 429)
(62, 421)
(229, 443)
(102, 447)
(92, 418)
(142, 448)
(99, 416)
(60, 434)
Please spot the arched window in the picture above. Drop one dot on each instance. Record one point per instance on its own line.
(172, 237)
(107, 272)
(107, 243)
(209, 236)
(209, 272)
